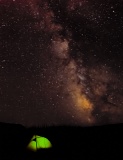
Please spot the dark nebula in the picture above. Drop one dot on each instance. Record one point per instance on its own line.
(61, 62)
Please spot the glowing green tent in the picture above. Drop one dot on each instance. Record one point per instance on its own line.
(38, 142)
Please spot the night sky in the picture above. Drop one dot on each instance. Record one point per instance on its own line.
(61, 62)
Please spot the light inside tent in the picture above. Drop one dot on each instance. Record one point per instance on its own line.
(38, 142)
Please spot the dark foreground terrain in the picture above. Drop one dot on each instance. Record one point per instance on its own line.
(99, 142)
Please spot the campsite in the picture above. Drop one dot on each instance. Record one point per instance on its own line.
(62, 142)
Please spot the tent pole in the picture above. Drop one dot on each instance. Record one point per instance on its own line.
(36, 142)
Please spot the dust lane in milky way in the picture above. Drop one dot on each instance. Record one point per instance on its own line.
(61, 62)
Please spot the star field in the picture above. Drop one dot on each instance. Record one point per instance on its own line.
(61, 62)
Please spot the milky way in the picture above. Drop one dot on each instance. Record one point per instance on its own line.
(61, 62)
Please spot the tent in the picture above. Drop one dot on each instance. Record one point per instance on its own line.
(39, 142)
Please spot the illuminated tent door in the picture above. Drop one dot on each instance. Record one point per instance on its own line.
(38, 142)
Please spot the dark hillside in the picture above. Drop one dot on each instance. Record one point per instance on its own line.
(99, 142)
